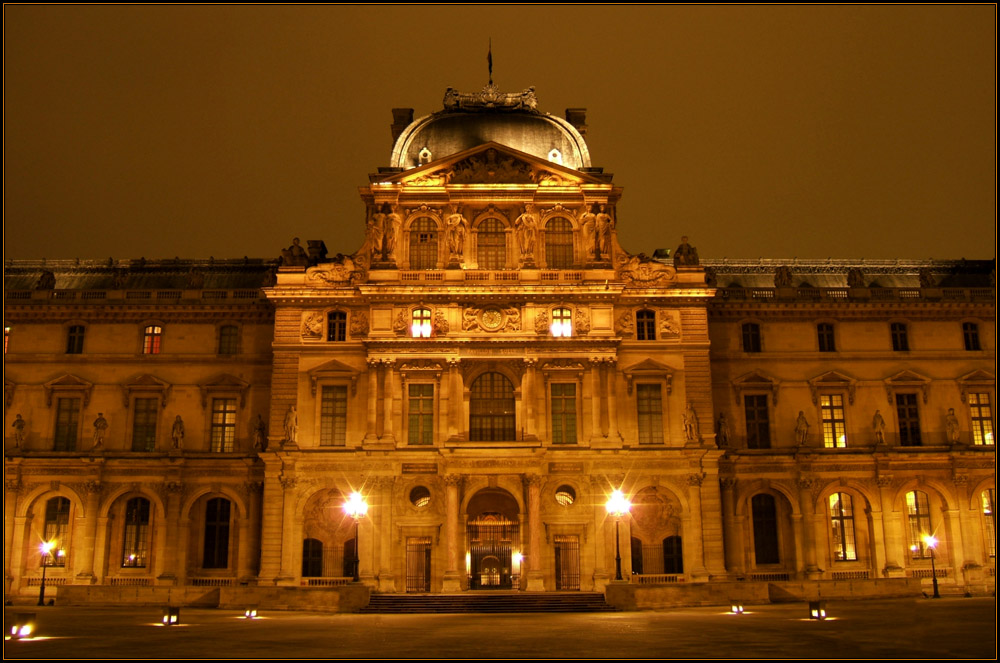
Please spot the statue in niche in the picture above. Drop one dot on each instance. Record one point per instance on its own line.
(722, 431)
(457, 228)
(952, 426)
(526, 228)
(588, 223)
(47, 281)
(605, 223)
(391, 224)
(690, 418)
(373, 232)
(177, 432)
(100, 430)
(878, 427)
(801, 428)
(259, 429)
(294, 255)
(783, 277)
(291, 425)
(685, 255)
(855, 278)
(18, 427)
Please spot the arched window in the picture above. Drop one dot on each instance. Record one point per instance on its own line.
(988, 498)
(842, 528)
(558, 243)
(151, 337)
(491, 244)
(918, 516)
(423, 244)
(216, 534)
(491, 409)
(336, 326)
(134, 542)
(765, 529)
(312, 558)
(673, 555)
(562, 322)
(645, 326)
(420, 326)
(56, 529)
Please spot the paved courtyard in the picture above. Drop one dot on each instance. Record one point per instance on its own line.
(947, 628)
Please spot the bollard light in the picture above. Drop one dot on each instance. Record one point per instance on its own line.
(817, 610)
(171, 616)
(250, 613)
(736, 608)
(23, 626)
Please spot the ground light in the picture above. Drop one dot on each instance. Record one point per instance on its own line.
(250, 613)
(22, 628)
(736, 607)
(171, 616)
(817, 610)
(618, 506)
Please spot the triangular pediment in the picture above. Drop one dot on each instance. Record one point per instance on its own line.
(335, 371)
(148, 385)
(647, 366)
(224, 385)
(69, 384)
(907, 377)
(491, 163)
(147, 380)
(833, 380)
(978, 377)
(757, 381)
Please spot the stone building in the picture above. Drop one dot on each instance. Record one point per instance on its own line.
(485, 370)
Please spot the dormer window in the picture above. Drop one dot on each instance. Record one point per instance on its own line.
(562, 323)
(421, 323)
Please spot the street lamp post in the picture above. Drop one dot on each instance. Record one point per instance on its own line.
(931, 543)
(617, 506)
(356, 508)
(46, 550)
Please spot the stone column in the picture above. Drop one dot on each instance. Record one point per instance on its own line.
(732, 530)
(612, 370)
(370, 432)
(808, 527)
(603, 388)
(254, 490)
(11, 490)
(390, 397)
(382, 525)
(271, 526)
(892, 545)
(452, 576)
(456, 403)
(288, 516)
(594, 399)
(601, 563)
(86, 537)
(529, 395)
(167, 575)
(184, 540)
(101, 548)
(693, 540)
(533, 484)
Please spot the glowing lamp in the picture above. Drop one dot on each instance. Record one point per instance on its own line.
(817, 610)
(23, 626)
(736, 608)
(250, 613)
(171, 615)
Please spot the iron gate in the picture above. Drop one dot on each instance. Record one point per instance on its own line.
(567, 562)
(418, 564)
(492, 541)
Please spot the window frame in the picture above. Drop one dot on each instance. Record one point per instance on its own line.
(829, 421)
(227, 342)
(421, 325)
(899, 334)
(220, 542)
(970, 337)
(982, 424)
(487, 254)
(423, 434)
(56, 527)
(70, 440)
(843, 541)
(826, 337)
(561, 254)
(153, 405)
(136, 535)
(751, 337)
(909, 426)
(327, 422)
(655, 427)
(336, 326)
(75, 337)
(222, 445)
(493, 413)
(152, 339)
(758, 423)
(562, 322)
(919, 524)
(645, 325)
(423, 258)
(563, 415)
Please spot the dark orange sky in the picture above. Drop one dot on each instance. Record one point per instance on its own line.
(779, 131)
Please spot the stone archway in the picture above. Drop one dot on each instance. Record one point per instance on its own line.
(494, 536)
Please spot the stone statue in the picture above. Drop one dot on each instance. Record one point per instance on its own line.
(783, 277)
(391, 224)
(667, 326)
(18, 427)
(722, 431)
(588, 223)
(855, 278)
(801, 428)
(47, 281)
(100, 429)
(526, 227)
(373, 233)
(291, 425)
(259, 429)
(690, 418)
(295, 255)
(878, 427)
(605, 224)
(685, 255)
(457, 227)
(177, 432)
(952, 426)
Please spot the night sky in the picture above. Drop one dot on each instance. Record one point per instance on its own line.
(778, 131)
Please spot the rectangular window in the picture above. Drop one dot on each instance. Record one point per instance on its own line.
(824, 334)
(758, 421)
(751, 337)
(842, 528)
(56, 529)
(909, 420)
(645, 326)
(919, 520)
(223, 432)
(67, 424)
(333, 417)
(970, 332)
(144, 424)
(336, 326)
(74, 340)
(229, 337)
(564, 414)
(216, 548)
(151, 337)
(650, 406)
(421, 414)
(982, 418)
(834, 427)
(134, 550)
(900, 337)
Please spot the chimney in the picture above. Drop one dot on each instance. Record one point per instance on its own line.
(401, 118)
(578, 118)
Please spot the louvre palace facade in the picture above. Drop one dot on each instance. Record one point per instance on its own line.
(485, 370)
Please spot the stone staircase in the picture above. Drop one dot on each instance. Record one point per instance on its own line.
(488, 601)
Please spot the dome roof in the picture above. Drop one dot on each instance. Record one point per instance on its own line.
(469, 120)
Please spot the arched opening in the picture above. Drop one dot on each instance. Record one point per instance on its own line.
(423, 244)
(491, 409)
(656, 544)
(764, 513)
(328, 537)
(494, 538)
(558, 243)
(491, 244)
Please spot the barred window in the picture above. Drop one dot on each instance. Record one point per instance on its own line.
(558, 243)
(491, 409)
(491, 244)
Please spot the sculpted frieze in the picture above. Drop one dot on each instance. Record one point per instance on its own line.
(642, 271)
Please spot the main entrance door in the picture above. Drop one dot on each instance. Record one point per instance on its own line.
(418, 564)
(492, 542)
(567, 562)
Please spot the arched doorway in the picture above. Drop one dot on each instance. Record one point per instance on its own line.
(494, 536)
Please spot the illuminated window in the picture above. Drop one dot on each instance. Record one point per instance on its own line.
(491, 409)
(989, 522)
(909, 420)
(834, 427)
(229, 338)
(970, 333)
(333, 417)
(750, 332)
(423, 244)
(421, 323)
(56, 529)
(650, 413)
(982, 418)
(562, 322)
(421, 414)
(758, 421)
(824, 334)
(645, 326)
(222, 434)
(842, 528)
(151, 336)
(558, 243)
(491, 244)
(563, 413)
(336, 326)
(144, 424)
(216, 548)
(134, 547)
(67, 424)
(6, 338)
(919, 519)
(74, 340)
(900, 337)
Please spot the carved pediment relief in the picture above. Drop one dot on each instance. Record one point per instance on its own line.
(757, 381)
(976, 381)
(333, 370)
(420, 368)
(833, 380)
(146, 386)
(341, 270)
(224, 385)
(907, 381)
(69, 385)
(642, 271)
(648, 368)
(562, 368)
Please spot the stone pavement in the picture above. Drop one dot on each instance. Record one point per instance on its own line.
(905, 628)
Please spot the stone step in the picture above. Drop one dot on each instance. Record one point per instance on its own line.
(488, 602)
